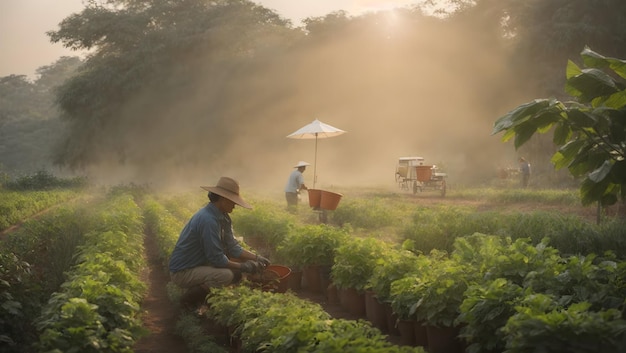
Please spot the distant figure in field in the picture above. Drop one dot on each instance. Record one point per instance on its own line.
(295, 183)
(524, 168)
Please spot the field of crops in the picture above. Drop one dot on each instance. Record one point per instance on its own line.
(514, 270)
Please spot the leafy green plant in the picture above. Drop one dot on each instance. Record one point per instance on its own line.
(15, 206)
(442, 291)
(368, 213)
(229, 306)
(189, 327)
(15, 330)
(394, 264)
(311, 245)
(406, 292)
(283, 315)
(403, 296)
(353, 336)
(495, 257)
(542, 324)
(484, 312)
(589, 131)
(437, 228)
(284, 323)
(265, 222)
(97, 308)
(355, 261)
(597, 281)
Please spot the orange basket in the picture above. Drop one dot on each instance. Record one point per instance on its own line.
(330, 200)
(423, 173)
(315, 196)
(274, 278)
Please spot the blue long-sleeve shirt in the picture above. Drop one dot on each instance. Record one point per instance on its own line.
(205, 240)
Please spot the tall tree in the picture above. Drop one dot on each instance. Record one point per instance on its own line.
(148, 57)
(544, 34)
(29, 122)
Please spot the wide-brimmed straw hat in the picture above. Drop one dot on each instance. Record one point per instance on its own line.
(228, 188)
(301, 164)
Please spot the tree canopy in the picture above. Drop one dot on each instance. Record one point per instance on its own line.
(151, 55)
(29, 124)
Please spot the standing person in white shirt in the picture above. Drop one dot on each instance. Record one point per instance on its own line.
(295, 183)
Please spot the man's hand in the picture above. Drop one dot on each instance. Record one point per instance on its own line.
(250, 267)
(263, 261)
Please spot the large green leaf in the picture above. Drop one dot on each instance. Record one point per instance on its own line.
(581, 119)
(592, 83)
(616, 100)
(562, 133)
(545, 120)
(524, 133)
(582, 162)
(591, 192)
(568, 152)
(521, 114)
(572, 70)
(593, 59)
(558, 160)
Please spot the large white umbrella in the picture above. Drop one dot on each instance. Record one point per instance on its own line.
(315, 130)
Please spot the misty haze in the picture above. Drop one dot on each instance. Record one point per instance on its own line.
(217, 94)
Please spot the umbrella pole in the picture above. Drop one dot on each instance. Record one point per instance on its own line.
(315, 163)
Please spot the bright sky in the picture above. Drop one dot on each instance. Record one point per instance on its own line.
(24, 45)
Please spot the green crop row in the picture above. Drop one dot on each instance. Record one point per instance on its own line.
(16, 206)
(438, 227)
(33, 262)
(97, 308)
(163, 226)
(283, 323)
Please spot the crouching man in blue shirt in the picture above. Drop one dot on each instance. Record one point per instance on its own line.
(207, 255)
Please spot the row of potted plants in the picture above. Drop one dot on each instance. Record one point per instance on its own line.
(480, 288)
(476, 288)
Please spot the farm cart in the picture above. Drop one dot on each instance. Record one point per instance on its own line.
(412, 174)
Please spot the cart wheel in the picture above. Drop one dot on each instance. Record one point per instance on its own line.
(443, 188)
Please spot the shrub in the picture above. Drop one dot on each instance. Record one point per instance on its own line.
(44, 180)
(311, 245)
(368, 213)
(355, 261)
(541, 324)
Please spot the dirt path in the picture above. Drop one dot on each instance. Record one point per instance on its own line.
(160, 315)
